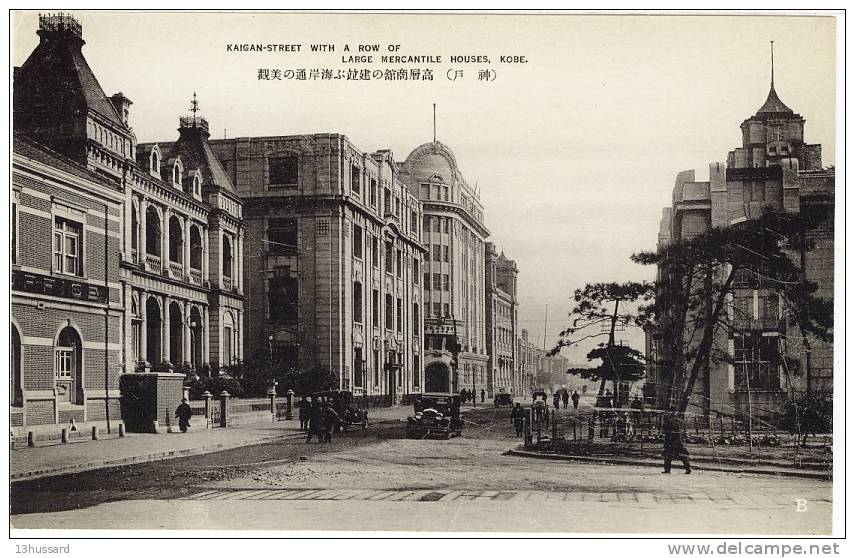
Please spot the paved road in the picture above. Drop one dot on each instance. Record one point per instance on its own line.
(378, 480)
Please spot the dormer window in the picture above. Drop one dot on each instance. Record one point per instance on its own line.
(177, 174)
(197, 186)
(154, 162)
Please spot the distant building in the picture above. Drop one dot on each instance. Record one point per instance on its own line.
(773, 170)
(453, 282)
(501, 318)
(334, 259)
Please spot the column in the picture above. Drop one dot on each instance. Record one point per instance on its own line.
(143, 325)
(185, 356)
(164, 239)
(206, 336)
(141, 245)
(186, 247)
(204, 236)
(165, 330)
(238, 272)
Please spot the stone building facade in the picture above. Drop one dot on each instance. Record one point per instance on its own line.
(453, 275)
(130, 252)
(332, 279)
(500, 312)
(773, 170)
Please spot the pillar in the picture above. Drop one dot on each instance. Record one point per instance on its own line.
(143, 325)
(186, 247)
(206, 336)
(237, 274)
(205, 263)
(141, 246)
(164, 336)
(185, 315)
(164, 239)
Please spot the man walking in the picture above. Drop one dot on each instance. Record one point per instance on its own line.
(303, 408)
(673, 446)
(483, 394)
(575, 397)
(518, 418)
(183, 414)
(565, 397)
(314, 421)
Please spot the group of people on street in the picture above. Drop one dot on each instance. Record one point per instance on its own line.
(471, 394)
(318, 419)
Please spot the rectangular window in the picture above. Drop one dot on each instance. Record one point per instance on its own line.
(416, 320)
(400, 314)
(446, 254)
(355, 181)
(445, 225)
(400, 263)
(375, 251)
(414, 222)
(446, 311)
(437, 309)
(436, 252)
(437, 281)
(389, 257)
(15, 231)
(375, 307)
(427, 280)
(358, 368)
(436, 224)
(445, 195)
(426, 223)
(227, 345)
(434, 190)
(755, 363)
(67, 249)
(376, 368)
(446, 282)
(357, 302)
(416, 271)
(425, 191)
(390, 313)
(282, 237)
(322, 227)
(282, 171)
(357, 241)
(387, 201)
(282, 296)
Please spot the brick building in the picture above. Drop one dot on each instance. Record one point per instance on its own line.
(453, 283)
(773, 170)
(131, 253)
(334, 259)
(501, 318)
(67, 208)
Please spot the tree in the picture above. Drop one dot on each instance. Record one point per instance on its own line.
(808, 413)
(605, 306)
(698, 280)
(628, 362)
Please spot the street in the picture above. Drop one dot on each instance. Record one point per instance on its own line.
(378, 480)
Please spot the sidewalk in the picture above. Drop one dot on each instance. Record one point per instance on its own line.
(51, 460)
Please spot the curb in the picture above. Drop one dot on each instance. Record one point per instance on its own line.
(701, 466)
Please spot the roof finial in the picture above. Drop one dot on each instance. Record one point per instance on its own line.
(194, 107)
(772, 49)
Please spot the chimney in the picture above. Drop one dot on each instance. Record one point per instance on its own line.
(122, 105)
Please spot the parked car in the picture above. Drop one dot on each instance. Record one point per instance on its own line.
(503, 398)
(435, 414)
(349, 413)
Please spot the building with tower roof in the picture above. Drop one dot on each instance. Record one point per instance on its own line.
(131, 253)
(500, 311)
(774, 169)
(454, 278)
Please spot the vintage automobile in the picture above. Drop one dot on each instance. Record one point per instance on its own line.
(349, 413)
(503, 398)
(538, 394)
(436, 414)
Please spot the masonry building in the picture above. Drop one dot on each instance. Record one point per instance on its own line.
(500, 311)
(775, 169)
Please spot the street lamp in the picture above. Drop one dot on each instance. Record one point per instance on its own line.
(270, 346)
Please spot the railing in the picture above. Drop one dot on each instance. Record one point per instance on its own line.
(153, 263)
(176, 270)
(196, 276)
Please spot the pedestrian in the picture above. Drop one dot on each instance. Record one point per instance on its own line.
(483, 395)
(303, 408)
(183, 414)
(463, 395)
(539, 408)
(556, 400)
(575, 397)
(518, 418)
(565, 397)
(673, 445)
(329, 421)
(314, 421)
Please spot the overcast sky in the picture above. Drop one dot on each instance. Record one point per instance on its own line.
(575, 152)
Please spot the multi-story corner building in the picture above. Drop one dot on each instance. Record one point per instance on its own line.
(528, 363)
(334, 261)
(127, 256)
(501, 317)
(453, 283)
(774, 170)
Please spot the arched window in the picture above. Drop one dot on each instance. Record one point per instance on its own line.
(152, 231)
(177, 174)
(197, 187)
(357, 302)
(176, 240)
(68, 367)
(195, 248)
(154, 161)
(16, 393)
(227, 257)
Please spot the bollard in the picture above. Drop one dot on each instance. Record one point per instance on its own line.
(224, 408)
(207, 395)
(31, 439)
(271, 395)
(289, 404)
(63, 436)
(94, 432)
(121, 430)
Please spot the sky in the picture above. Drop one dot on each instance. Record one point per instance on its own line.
(574, 152)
